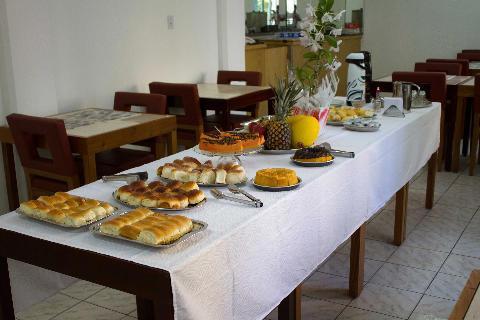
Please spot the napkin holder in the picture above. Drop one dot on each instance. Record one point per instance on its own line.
(393, 107)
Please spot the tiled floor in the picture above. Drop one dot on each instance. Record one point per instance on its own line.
(419, 280)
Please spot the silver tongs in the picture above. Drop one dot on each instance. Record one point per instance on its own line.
(252, 202)
(127, 177)
(337, 153)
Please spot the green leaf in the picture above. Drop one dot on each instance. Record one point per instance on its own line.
(331, 40)
(329, 5)
(310, 55)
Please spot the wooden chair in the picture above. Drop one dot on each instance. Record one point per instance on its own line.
(435, 86)
(44, 150)
(251, 78)
(476, 128)
(464, 62)
(470, 56)
(120, 159)
(447, 67)
(183, 102)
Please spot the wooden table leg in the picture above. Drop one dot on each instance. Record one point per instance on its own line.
(457, 134)
(89, 168)
(400, 228)
(432, 174)
(291, 307)
(474, 143)
(172, 144)
(271, 109)
(357, 261)
(6, 302)
(10, 175)
(150, 310)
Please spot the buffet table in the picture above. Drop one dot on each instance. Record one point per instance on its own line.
(249, 259)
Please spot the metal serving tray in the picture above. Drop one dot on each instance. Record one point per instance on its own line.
(190, 207)
(198, 226)
(89, 222)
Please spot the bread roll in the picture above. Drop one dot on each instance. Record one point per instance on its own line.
(189, 186)
(207, 176)
(195, 196)
(235, 176)
(181, 175)
(221, 175)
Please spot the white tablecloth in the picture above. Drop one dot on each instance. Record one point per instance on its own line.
(249, 259)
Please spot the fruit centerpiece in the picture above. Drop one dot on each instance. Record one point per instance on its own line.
(318, 73)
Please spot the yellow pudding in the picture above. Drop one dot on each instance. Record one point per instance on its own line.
(276, 177)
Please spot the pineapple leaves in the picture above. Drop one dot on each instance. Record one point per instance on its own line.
(287, 94)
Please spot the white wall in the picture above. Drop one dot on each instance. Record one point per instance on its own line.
(401, 32)
(231, 34)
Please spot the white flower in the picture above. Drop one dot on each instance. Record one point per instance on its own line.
(319, 36)
(315, 46)
(339, 15)
(339, 42)
(310, 10)
(327, 17)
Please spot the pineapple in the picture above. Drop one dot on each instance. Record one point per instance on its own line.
(278, 133)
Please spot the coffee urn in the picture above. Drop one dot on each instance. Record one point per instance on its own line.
(359, 77)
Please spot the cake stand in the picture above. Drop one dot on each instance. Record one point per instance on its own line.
(228, 157)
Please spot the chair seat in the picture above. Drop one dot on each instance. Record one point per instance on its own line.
(234, 120)
(120, 159)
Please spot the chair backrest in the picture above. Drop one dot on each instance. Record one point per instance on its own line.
(153, 103)
(447, 67)
(252, 78)
(33, 133)
(470, 56)
(434, 83)
(471, 51)
(181, 95)
(465, 64)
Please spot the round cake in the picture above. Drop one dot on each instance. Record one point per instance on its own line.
(313, 154)
(276, 177)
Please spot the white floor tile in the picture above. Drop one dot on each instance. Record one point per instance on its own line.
(431, 306)
(402, 277)
(114, 300)
(82, 289)
(418, 258)
(48, 308)
(390, 301)
(84, 310)
(446, 286)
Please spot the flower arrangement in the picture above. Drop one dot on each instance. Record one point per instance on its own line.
(319, 35)
(317, 75)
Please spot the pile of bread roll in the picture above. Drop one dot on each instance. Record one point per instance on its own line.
(145, 226)
(156, 194)
(190, 169)
(63, 208)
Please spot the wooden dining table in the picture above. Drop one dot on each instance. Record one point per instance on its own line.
(224, 98)
(474, 67)
(94, 130)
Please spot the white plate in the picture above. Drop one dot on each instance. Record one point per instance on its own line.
(361, 128)
(277, 189)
